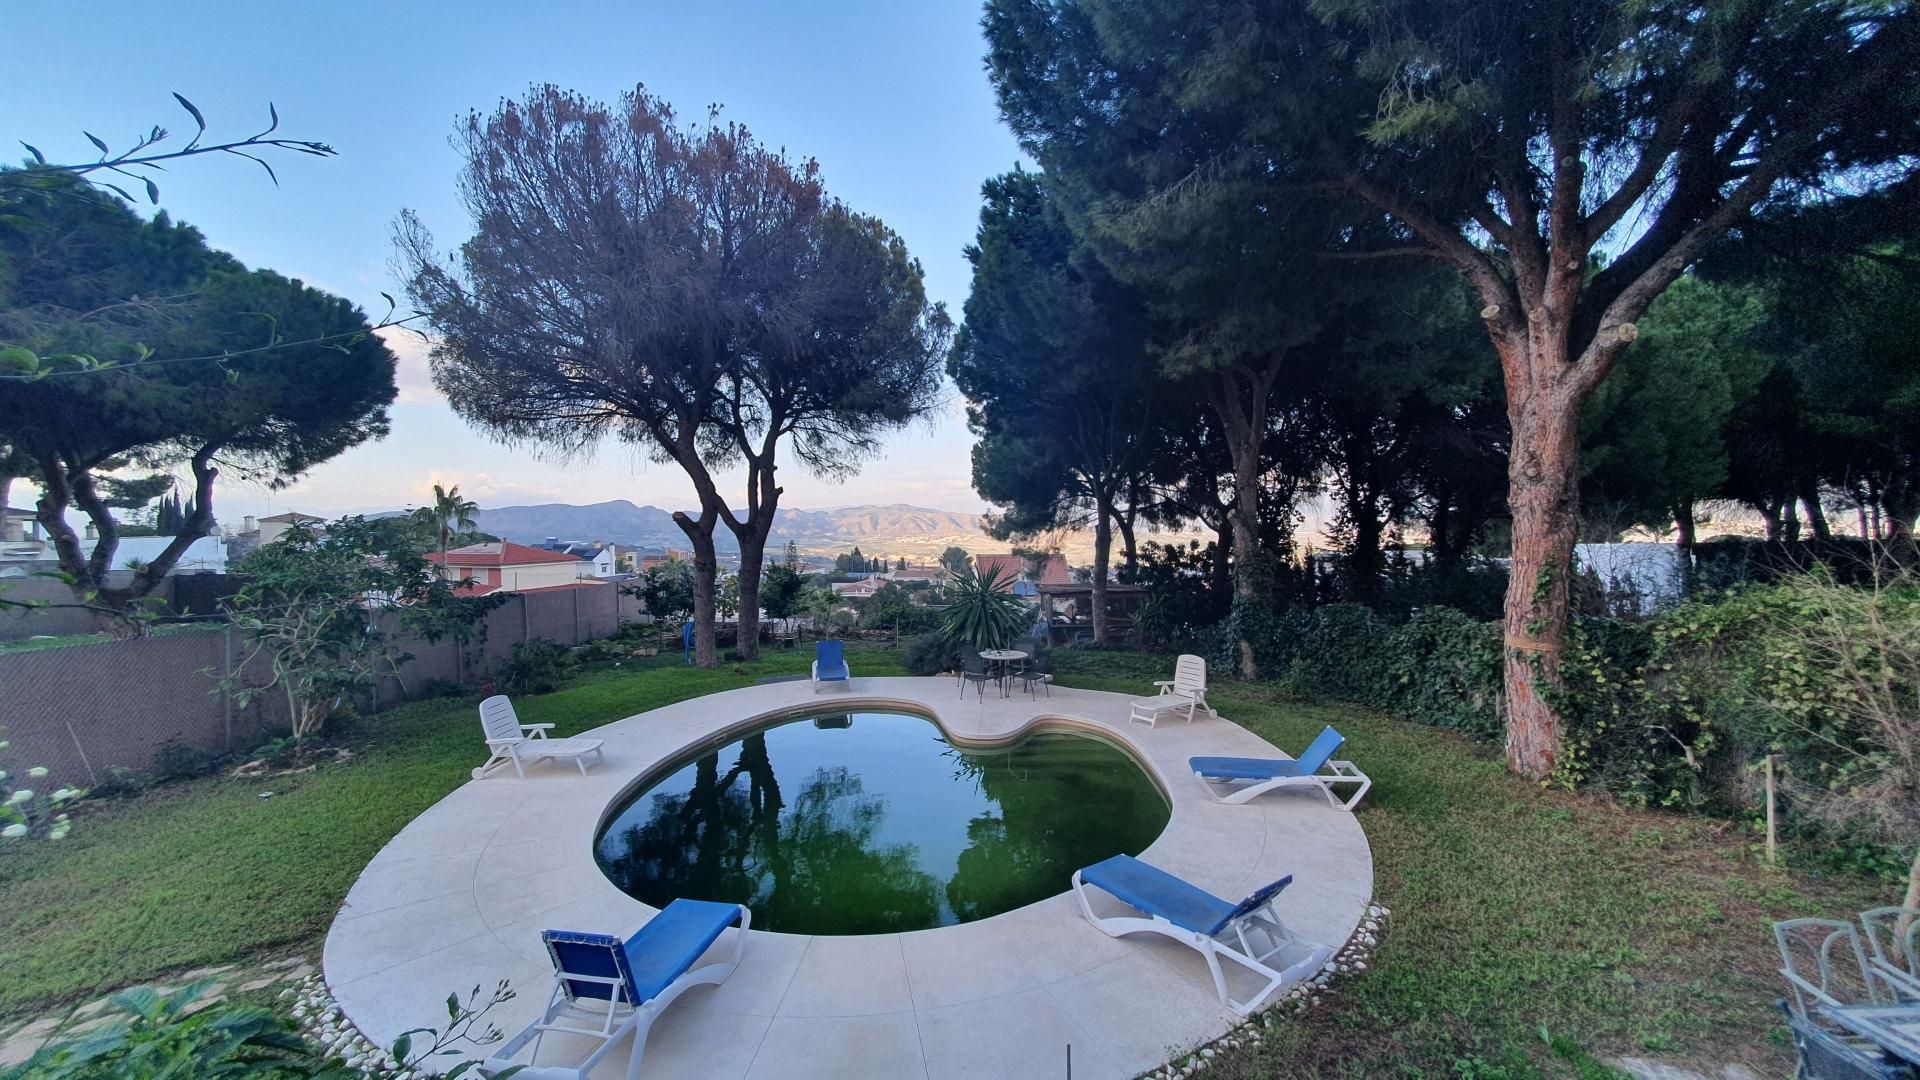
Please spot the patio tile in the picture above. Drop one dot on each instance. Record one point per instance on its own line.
(970, 962)
(1146, 1006)
(1015, 1036)
(395, 935)
(849, 976)
(718, 1047)
(506, 902)
(765, 973)
(592, 914)
(394, 882)
(885, 1046)
(414, 993)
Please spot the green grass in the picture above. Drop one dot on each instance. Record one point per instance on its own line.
(1518, 910)
(208, 871)
(1515, 909)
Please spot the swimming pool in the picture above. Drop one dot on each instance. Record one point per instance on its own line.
(872, 822)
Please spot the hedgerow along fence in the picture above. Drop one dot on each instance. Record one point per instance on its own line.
(86, 707)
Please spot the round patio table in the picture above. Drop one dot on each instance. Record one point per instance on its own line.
(1005, 658)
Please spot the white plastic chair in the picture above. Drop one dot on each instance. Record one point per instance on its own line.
(509, 740)
(1186, 690)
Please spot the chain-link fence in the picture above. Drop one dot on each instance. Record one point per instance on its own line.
(84, 707)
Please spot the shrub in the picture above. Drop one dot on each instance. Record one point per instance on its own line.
(442, 688)
(176, 760)
(159, 1038)
(536, 667)
(979, 615)
(931, 654)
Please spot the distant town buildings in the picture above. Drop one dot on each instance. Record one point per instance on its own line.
(507, 567)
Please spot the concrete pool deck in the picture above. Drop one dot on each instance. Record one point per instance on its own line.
(460, 896)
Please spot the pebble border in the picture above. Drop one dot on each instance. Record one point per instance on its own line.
(1352, 959)
(319, 1018)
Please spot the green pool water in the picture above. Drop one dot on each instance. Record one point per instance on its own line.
(871, 822)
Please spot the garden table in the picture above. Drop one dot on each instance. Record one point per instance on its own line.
(1005, 658)
(1893, 1028)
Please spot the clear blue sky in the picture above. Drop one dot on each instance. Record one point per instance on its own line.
(890, 97)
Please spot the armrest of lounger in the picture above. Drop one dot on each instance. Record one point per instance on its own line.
(535, 731)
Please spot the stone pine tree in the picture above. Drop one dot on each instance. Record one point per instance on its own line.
(688, 292)
(1520, 144)
(128, 342)
(1053, 360)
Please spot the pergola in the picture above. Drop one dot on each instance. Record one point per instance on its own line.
(1068, 609)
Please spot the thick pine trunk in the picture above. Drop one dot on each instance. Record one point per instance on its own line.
(1102, 546)
(1686, 530)
(1545, 498)
(706, 568)
(753, 550)
(1245, 516)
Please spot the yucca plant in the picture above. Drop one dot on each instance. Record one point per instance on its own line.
(979, 615)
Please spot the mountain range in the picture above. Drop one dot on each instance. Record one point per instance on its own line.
(896, 530)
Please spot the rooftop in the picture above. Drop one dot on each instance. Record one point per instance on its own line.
(500, 553)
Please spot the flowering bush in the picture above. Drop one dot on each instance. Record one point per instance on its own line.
(25, 812)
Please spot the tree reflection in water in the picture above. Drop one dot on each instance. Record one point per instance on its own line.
(813, 864)
(1063, 802)
(881, 826)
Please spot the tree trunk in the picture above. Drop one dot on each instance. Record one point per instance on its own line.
(1685, 528)
(1246, 541)
(1901, 502)
(1816, 514)
(1545, 496)
(753, 551)
(706, 567)
(1239, 396)
(1129, 551)
(1102, 547)
(1364, 560)
(1221, 578)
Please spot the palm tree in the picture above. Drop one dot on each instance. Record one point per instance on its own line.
(447, 513)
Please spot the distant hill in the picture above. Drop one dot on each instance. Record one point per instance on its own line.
(896, 530)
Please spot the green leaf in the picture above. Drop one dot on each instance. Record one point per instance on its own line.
(96, 141)
(153, 191)
(195, 113)
(38, 157)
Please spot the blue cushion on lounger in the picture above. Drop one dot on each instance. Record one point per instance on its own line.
(1157, 892)
(1240, 768)
(658, 953)
(829, 661)
(674, 941)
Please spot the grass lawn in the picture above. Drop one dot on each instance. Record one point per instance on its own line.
(1515, 909)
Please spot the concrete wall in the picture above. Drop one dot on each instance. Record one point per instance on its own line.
(85, 709)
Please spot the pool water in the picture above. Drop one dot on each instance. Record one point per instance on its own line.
(871, 822)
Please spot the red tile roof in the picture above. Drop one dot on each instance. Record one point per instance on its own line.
(475, 588)
(1012, 568)
(500, 553)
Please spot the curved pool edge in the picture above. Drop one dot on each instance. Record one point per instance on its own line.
(459, 896)
(1037, 725)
